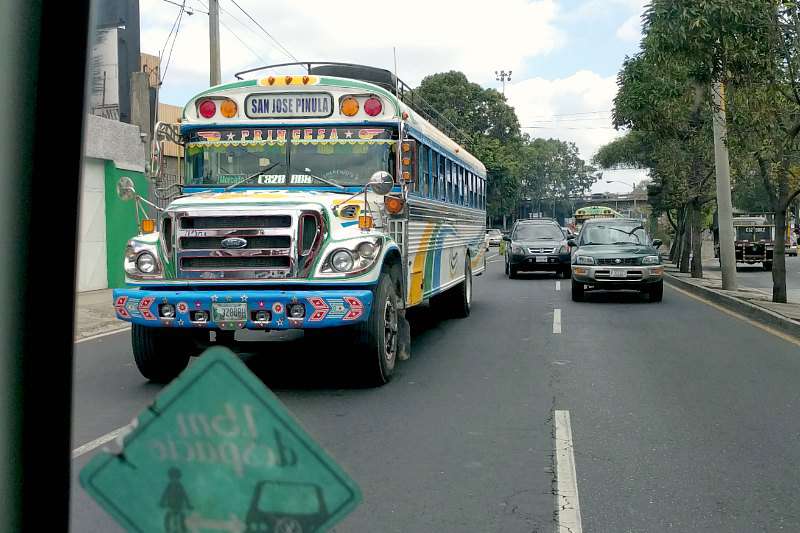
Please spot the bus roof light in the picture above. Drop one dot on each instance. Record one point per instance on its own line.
(349, 106)
(373, 106)
(228, 108)
(207, 108)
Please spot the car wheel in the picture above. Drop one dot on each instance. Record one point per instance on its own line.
(577, 291)
(565, 272)
(656, 291)
(512, 272)
(768, 266)
(506, 264)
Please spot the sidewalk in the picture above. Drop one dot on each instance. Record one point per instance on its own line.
(94, 314)
(753, 303)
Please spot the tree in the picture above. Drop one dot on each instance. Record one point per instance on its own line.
(752, 47)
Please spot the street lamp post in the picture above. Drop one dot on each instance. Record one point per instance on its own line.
(633, 193)
(503, 76)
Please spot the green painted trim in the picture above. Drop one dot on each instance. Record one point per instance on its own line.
(120, 220)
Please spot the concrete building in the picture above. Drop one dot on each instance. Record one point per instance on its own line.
(111, 149)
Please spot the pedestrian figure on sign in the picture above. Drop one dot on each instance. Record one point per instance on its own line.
(176, 502)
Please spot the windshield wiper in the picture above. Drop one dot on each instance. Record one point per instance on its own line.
(248, 178)
(323, 180)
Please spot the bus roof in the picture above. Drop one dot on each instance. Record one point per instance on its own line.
(396, 109)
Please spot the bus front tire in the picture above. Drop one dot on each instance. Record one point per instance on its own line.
(162, 354)
(378, 335)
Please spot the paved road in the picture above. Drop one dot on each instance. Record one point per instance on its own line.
(683, 417)
(755, 277)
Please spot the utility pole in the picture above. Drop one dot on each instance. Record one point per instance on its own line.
(503, 77)
(727, 253)
(215, 76)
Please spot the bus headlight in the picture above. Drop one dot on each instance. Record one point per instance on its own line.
(141, 258)
(351, 257)
(342, 261)
(146, 263)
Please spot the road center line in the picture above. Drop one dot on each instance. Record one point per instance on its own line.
(99, 441)
(558, 285)
(557, 321)
(126, 327)
(568, 508)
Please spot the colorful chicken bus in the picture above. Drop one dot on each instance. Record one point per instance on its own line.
(593, 211)
(323, 201)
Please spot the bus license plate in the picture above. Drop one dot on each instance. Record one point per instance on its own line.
(619, 274)
(229, 312)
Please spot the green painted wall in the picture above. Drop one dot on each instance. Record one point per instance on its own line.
(120, 220)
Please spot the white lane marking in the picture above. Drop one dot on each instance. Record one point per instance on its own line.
(568, 507)
(558, 285)
(99, 441)
(557, 321)
(106, 334)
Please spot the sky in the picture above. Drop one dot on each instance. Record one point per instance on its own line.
(564, 55)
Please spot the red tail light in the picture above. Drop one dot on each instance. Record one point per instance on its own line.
(207, 108)
(373, 106)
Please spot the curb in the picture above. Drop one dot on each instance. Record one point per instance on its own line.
(751, 311)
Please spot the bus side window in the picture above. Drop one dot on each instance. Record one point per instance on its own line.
(448, 169)
(424, 170)
(442, 194)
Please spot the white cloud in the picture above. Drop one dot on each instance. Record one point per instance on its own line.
(429, 36)
(631, 29)
(576, 108)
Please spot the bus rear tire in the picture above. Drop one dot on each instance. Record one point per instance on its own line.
(459, 298)
(377, 337)
(162, 354)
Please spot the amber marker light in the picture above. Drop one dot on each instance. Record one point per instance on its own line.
(349, 106)
(148, 225)
(393, 204)
(365, 222)
(228, 108)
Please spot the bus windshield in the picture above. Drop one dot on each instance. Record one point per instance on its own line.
(342, 161)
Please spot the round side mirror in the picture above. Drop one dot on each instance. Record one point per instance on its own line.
(381, 183)
(125, 189)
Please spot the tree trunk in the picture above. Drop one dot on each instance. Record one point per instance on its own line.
(683, 258)
(779, 257)
(696, 240)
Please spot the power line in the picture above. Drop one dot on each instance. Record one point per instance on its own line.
(268, 34)
(233, 33)
(606, 111)
(177, 27)
(567, 128)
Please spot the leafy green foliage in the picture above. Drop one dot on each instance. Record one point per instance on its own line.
(518, 167)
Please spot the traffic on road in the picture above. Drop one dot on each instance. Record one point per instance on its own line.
(392, 289)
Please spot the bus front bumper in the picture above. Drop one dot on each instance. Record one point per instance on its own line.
(250, 309)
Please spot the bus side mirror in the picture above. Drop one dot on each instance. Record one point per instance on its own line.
(125, 189)
(408, 160)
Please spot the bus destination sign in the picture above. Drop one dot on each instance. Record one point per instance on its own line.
(289, 105)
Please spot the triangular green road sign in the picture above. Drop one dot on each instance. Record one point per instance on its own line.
(217, 451)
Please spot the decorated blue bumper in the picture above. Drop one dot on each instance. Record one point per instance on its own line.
(230, 310)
